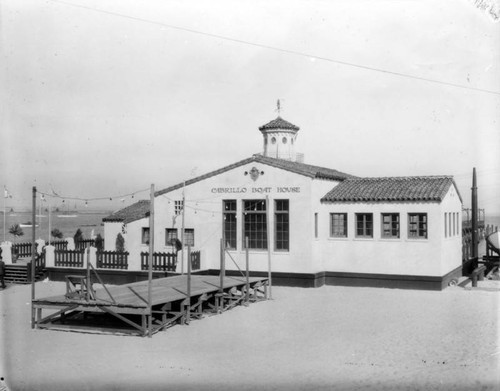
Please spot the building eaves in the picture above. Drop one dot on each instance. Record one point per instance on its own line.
(136, 211)
(392, 189)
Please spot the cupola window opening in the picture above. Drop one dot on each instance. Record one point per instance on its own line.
(284, 140)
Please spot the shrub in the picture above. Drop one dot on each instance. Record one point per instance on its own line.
(120, 243)
(99, 242)
(56, 234)
(78, 237)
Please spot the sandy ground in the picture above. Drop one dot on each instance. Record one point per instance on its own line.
(331, 338)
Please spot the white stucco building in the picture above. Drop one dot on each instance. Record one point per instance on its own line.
(319, 225)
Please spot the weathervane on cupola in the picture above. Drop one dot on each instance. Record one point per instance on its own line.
(279, 137)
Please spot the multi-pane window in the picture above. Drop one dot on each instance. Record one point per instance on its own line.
(189, 237)
(417, 225)
(255, 224)
(390, 225)
(170, 236)
(178, 207)
(338, 225)
(145, 235)
(282, 225)
(229, 215)
(364, 225)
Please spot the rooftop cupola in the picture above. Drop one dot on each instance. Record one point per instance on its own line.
(279, 139)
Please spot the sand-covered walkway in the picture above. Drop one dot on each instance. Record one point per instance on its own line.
(331, 338)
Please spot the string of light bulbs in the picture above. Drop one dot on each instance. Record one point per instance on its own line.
(89, 199)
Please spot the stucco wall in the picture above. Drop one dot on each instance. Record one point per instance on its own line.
(204, 214)
(406, 256)
(451, 254)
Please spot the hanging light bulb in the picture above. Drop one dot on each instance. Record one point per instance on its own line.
(86, 204)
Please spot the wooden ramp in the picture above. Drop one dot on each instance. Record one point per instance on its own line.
(125, 308)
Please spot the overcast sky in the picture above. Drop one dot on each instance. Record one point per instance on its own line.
(106, 97)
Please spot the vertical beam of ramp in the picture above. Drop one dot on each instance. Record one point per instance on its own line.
(33, 251)
(150, 263)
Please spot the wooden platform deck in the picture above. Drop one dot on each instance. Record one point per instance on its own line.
(171, 302)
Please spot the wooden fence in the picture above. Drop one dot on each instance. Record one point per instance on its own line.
(161, 261)
(82, 244)
(22, 249)
(112, 260)
(59, 244)
(69, 258)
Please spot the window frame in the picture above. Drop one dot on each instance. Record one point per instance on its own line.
(187, 240)
(230, 214)
(365, 227)
(168, 231)
(279, 214)
(344, 225)
(418, 228)
(383, 234)
(143, 235)
(257, 240)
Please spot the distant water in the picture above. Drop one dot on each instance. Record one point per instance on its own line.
(67, 225)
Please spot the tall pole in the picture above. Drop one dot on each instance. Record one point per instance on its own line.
(268, 248)
(4, 198)
(247, 264)
(474, 219)
(188, 309)
(182, 228)
(222, 265)
(151, 250)
(49, 222)
(33, 251)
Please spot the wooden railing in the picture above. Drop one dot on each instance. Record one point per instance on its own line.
(59, 244)
(112, 260)
(82, 244)
(161, 261)
(22, 249)
(69, 258)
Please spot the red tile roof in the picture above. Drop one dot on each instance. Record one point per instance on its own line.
(133, 212)
(278, 123)
(428, 188)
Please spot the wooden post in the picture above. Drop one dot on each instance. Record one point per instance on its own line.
(188, 310)
(150, 265)
(268, 248)
(182, 228)
(222, 266)
(87, 294)
(33, 251)
(474, 220)
(247, 293)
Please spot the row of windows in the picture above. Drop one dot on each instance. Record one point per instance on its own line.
(171, 236)
(451, 224)
(390, 225)
(254, 224)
